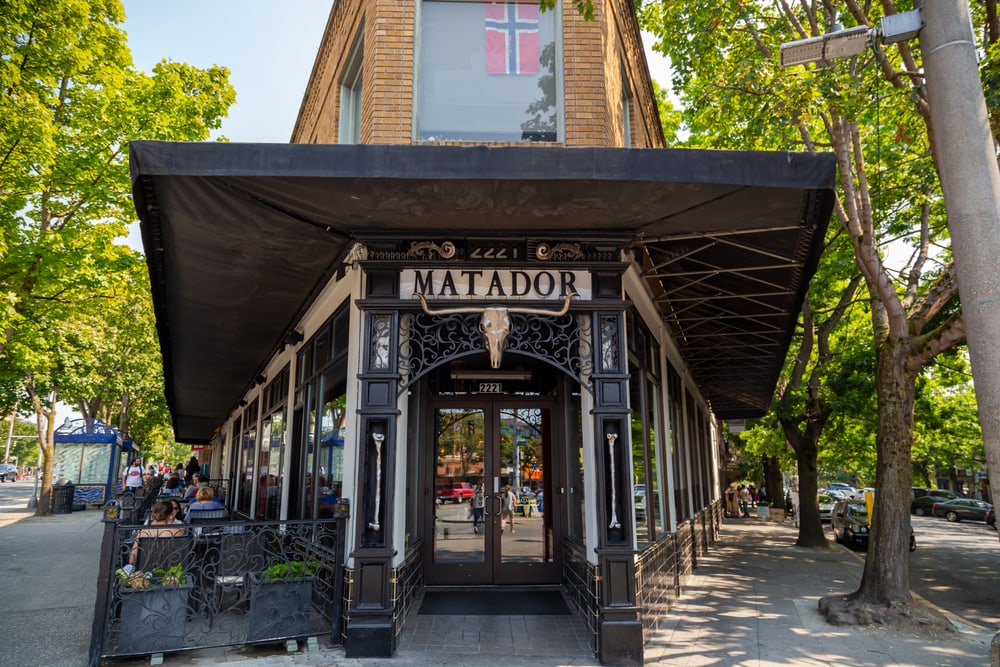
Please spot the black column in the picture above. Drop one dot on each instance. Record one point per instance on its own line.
(369, 630)
(619, 625)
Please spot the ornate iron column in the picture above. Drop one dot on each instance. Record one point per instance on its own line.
(619, 625)
(369, 630)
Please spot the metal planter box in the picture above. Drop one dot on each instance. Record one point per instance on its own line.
(279, 608)
(152, 619)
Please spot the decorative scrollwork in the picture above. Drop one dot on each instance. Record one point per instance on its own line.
(380, 342)
(224, 574)
(561, 251)
(433, 340)
(586, 347)
(426, 250)
(610, 354)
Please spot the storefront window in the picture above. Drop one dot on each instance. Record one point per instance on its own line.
(318, 444)
(248, 450)
(644, 398)
(487, 72)
(270, 479)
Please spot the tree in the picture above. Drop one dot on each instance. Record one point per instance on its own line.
(736, 96)
(70, 102)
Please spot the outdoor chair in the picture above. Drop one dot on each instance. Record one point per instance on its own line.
(162, 553)
(206, 516)
(230, 559)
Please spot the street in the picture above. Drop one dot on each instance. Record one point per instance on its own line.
(14, 497)
(957, 567)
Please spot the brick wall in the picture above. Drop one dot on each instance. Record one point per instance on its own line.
(597, 55)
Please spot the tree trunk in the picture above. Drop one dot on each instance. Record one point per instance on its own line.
(45, 422)
(953, 478)
(884, 594)
(774, 485)
(887, 567)
(810, 527)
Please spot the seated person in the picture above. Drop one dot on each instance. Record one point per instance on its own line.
(205, 500)
(175, 504)
(327, 501)
(192, 489)
(172, 487)
(164, 524)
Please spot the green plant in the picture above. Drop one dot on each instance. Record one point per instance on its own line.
(292, 569)
(172, 576)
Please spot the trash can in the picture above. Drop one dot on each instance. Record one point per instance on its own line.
(62, 496)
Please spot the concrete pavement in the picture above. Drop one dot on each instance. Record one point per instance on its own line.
(752, 602)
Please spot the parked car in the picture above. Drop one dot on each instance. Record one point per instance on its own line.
(456, 492)
(961, 508)
(826, 504)
(921, 491)
(850, 524)
(991, 518)
(8, 472)
(922, 505)
(640, 502)
(841, 489)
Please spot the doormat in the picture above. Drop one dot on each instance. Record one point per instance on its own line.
(493, 603)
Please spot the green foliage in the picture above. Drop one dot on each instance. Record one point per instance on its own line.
(73, 298)
(24, 447)
(172, 576)
(293, 569)
(584, 7)
(671, 119)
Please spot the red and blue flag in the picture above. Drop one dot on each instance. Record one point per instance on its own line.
(511, 38)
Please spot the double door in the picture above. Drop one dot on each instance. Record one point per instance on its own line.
(493, 515)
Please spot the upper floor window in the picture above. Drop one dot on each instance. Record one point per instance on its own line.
(350, 94)
(487, 72)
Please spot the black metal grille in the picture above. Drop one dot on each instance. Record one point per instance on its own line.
(218, 584)
(426, 341)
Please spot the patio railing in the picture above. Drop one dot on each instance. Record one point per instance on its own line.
(217, 583)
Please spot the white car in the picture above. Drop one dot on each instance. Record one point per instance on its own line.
(841, 490)
(826, 502)
(8, 472)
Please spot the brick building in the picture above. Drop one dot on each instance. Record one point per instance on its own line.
(476, 264)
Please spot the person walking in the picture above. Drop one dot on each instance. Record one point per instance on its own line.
(744, 498)
(191, 469)
(478, 506)
(507, 502)
(132, 477)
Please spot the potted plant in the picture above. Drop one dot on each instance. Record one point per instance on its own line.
(153, 609)
(280, 599)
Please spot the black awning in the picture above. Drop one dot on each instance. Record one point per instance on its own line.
(240, 237)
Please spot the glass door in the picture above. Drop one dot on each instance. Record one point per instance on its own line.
(488, 522)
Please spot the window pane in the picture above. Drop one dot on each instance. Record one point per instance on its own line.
(654, 503)
(487, 72)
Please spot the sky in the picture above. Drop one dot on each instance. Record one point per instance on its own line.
(269, 48)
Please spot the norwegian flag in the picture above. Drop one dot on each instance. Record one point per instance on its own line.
(511, 38)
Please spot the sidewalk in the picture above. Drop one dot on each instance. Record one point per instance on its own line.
(752, 603)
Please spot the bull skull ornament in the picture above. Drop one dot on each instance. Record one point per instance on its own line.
(495, 322)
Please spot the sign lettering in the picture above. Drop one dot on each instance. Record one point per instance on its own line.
(503, 284)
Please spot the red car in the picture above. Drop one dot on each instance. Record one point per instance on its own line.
(457, 492)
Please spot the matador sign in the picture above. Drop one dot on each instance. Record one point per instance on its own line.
(498, 284)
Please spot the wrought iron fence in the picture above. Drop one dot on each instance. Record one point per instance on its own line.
(217, 583)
